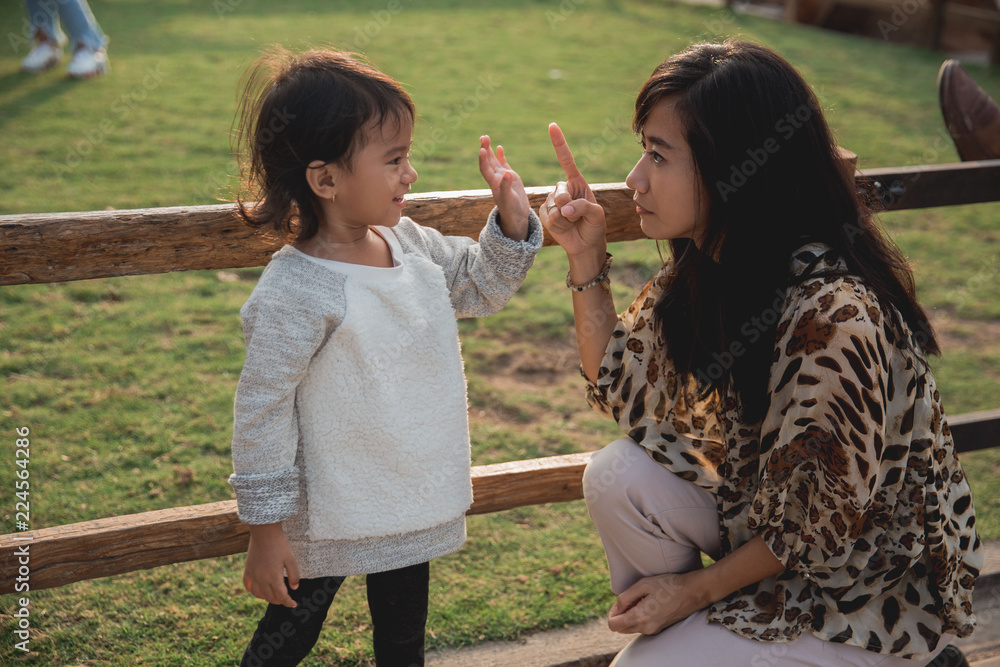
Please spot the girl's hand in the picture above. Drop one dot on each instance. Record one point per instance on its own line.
(654, 603)
(269, 557)
(508, 190)
(571, 213)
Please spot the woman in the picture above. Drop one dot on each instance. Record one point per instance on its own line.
(772, 382)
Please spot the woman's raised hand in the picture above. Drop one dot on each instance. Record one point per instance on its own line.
(575, 221)
(571, 213)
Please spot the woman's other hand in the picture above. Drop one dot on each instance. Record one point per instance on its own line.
(655, 603)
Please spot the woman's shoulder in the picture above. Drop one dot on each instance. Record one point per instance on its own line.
(821, 279)
(816, 258)
(650, 292)
(826, 304)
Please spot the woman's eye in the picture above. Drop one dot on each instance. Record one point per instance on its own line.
(654, 157)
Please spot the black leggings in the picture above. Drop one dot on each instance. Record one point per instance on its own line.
(397, 601)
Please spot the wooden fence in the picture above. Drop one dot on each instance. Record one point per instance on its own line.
(59, 247)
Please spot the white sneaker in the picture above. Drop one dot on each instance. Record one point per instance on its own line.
(87, 63)
(43, 56)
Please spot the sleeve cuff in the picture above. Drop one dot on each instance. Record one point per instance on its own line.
(597, 397)
(263, 498)
(512, 258)
(785, 543)
(772, 537)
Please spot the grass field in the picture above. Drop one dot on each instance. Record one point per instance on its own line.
(127, 384)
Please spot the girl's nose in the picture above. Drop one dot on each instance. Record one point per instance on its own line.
(411, 175)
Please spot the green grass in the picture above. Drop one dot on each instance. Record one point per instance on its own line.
(127, 384)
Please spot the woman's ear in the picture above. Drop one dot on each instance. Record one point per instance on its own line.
(322, 178)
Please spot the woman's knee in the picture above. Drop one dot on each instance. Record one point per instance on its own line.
(623, 475)
(611, 471)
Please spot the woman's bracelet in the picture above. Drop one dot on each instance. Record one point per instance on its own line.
(604, 279)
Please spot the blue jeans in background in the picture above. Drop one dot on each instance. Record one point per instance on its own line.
(74, 15)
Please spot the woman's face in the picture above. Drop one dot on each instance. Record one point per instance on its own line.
(669, 196)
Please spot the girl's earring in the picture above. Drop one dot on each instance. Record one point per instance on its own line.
(333, 198)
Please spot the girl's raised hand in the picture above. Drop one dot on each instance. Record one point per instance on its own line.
(508, 190)
(571, 213)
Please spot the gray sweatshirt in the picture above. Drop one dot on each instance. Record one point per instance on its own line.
(351, 423)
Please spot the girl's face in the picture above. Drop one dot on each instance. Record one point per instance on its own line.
(669, 196)
(371, 191)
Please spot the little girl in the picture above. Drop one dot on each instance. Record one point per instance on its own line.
(351, 437)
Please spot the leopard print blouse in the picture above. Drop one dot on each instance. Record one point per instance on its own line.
(851, 478)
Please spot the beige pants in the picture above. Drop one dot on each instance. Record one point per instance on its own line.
(653, 522)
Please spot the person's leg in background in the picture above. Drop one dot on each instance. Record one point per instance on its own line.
(49, 38)
(87, 42)
(971, 116)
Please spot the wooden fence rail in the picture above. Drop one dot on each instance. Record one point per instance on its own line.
(74, 246)
(104, 547)
(55, 247)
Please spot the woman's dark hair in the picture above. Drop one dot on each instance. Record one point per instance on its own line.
(295, 109)
(774, 180)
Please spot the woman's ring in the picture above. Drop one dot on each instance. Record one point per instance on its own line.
(550, 207)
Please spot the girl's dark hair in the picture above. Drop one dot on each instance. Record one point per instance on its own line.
(774, 180)
(295, 109)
